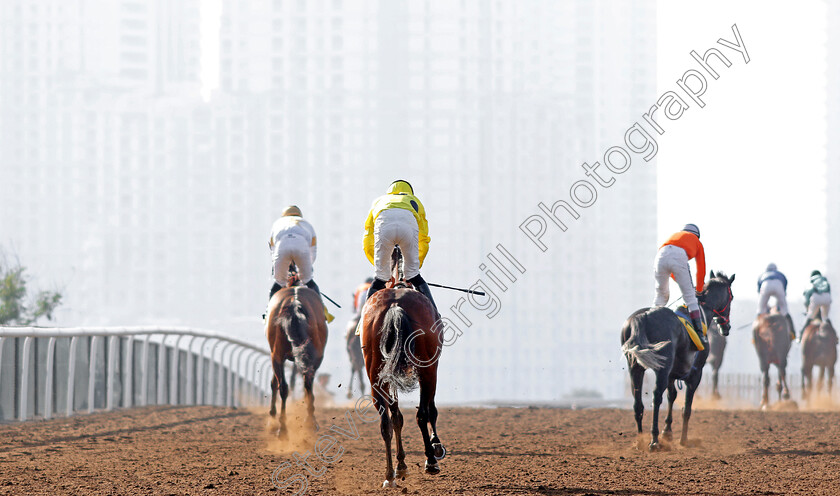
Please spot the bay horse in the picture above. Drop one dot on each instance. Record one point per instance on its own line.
(655, 339)
(297, 331)
(771, 336)
(357, 359)
(819, 347)
(717, 345)
(402, 344)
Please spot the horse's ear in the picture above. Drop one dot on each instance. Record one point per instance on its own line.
(731, 278)
(711, 274)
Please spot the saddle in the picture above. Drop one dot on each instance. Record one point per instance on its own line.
(682, 314)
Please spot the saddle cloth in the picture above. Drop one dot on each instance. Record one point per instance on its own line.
(692, 333)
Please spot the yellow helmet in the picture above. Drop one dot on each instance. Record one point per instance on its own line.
(292, 210)
(400, 186)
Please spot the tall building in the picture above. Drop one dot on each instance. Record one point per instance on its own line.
(488, 109)
(151, 206)
(832, 183)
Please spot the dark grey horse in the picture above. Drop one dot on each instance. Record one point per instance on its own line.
(819, 348)
(717, 345)
(654, 338)
(357, 359)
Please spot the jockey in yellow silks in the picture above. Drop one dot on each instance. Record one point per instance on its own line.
(397, 218)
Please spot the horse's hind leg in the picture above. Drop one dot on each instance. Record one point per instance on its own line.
(350, 384)
(424, 418)
(309, 396)
(283, 388)
(690, 389)
(292, 378)
(672, 396)
(661, 385)
(386, 429)
(765, 400)
(397, 423)
(715, 391)
(805, 382)
(274, 386)
(820, 380)
(361, 382)
(637, 378)
(784, 392)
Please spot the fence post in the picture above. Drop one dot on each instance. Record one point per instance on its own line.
(110, 372)
(144, 371)
(188, 387)
(173, 371)
(24, 379)
(128, 374)
(92, 374)
(161, 370)
(220, 387)
(48, 385)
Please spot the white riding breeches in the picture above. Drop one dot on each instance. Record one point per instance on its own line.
(820, 302)
(396, 226)
(292, 248)
(669, 260)
(774, 288)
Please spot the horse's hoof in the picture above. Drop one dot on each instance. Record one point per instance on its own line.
(716, 396)
(389, 483)
(282, 435)
(440, 451)
(349, 396)
(654, 447)
(432, 468)
(402, 473)
(667, 435)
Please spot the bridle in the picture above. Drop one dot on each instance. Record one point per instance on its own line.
(723, 313)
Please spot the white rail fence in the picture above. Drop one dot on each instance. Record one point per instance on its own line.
(63, 371)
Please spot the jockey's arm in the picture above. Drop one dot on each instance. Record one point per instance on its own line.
(367, 241)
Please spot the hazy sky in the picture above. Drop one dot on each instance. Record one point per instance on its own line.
(748, 168)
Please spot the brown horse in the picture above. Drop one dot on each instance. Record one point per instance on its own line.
(296, 331)
(401, 344)
(771, 336)
(819, 347)
(357, 359)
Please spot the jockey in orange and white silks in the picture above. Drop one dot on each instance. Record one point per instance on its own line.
(293, 240)
(397, 218)
(672, 261)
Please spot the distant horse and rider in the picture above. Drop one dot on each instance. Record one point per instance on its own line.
(353, 342)
(819, 348)
(296, 329)
(717, 346)
(657, 339)
(772, 338)
(401, 347)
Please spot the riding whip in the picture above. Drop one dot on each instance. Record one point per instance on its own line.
(479, 293)
(331, 300)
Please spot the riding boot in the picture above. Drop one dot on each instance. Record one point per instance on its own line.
(697, 322)
(802, 332)
(274, 288)
(375, 286)
(314, 287)
(790, 326)
(420, 285)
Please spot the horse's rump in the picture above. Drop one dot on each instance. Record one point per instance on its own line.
(296, 311)
(637, 346)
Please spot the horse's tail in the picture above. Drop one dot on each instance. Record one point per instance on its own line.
(396, 369)
(294, 324)
(639, 350)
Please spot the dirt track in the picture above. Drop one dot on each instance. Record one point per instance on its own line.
(217, 451)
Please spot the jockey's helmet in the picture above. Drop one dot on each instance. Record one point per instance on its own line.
(400, 186)
(693, 229)
(292, 210)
